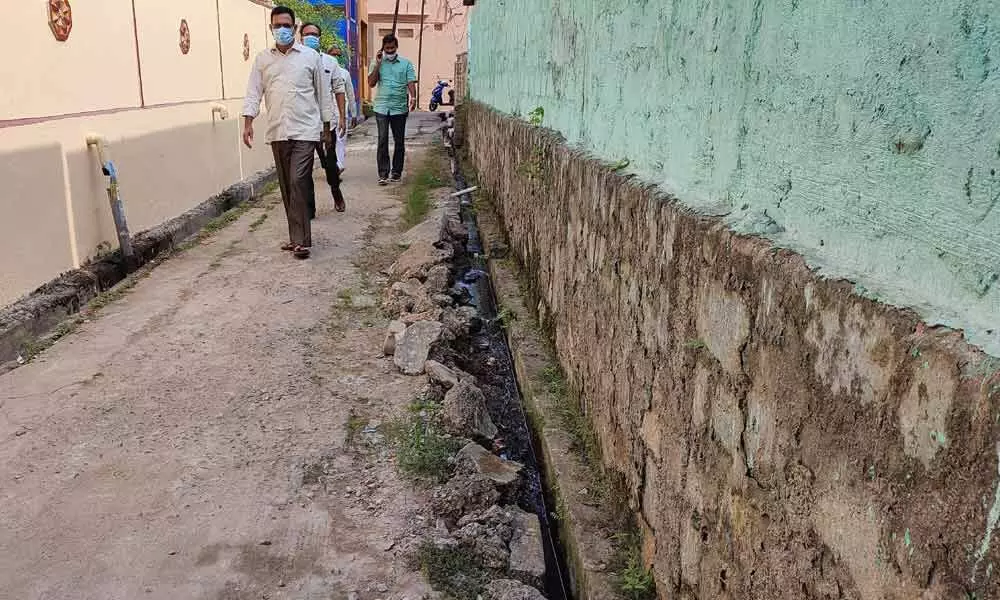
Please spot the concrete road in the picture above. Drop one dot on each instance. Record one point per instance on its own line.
(191, 440)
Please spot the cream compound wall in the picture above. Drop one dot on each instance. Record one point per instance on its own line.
(172, 153)
(94, 69)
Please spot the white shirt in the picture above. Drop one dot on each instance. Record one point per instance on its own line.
(351, 102)
(295, 89)
(335, 78)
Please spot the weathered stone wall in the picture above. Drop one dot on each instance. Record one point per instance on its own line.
(859, 134)
(781, 437)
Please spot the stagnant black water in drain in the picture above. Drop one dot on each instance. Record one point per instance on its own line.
(487, 356)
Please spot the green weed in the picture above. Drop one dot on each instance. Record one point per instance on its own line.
(506, 316)
(453, 571)
(258, 222)
(635, 581)
(423, 450)
(694, 344)
(429, 176)
(575, 422)
(622, 164)
(536, 116)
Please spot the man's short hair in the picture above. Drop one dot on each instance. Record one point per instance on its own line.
(390, 39)
(282, 10)
(318, 28)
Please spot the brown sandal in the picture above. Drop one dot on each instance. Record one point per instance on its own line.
(300, 252)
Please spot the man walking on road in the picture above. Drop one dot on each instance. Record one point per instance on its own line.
(311, 34)
(396, 97)
(352, 107)
(291, 81)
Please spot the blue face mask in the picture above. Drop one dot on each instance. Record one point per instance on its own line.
(283, 36)
(312, 41)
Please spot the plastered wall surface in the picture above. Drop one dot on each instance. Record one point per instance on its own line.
(864, 135)
(95, 69)
(170, 159)
(778, 435)
(168, 74)
(238, 17)
(171, 154)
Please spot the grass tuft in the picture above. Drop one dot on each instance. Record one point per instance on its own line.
(423, 450)
(634, 580)
(258, 222)
(428, 177)
(454, 571)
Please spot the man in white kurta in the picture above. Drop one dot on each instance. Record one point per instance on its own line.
(352, 107)
(290, 80)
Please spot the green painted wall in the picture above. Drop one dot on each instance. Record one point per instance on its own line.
(864, 134)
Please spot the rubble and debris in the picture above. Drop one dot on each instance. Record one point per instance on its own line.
(438, 278)
(415, 344)
(441, 374)
(508, 589)
(460, 322)
(430, 315)
(527, 556)
(464, 493)
(394, 333)
(476, 459)
(408, 297)
(465, 412)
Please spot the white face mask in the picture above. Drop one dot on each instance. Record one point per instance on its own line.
(390, 56)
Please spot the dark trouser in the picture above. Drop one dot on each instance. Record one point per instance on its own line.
(398, 125)
(293, 161)
(328, 160)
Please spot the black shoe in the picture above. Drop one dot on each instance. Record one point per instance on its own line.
(395, 178)
(383, 181)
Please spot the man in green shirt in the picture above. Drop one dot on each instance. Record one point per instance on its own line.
(396, 97)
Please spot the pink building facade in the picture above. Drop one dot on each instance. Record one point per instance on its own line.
(445, 36)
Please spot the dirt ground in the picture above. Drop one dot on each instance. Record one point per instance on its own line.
(203, 436)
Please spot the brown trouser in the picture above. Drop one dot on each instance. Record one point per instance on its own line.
(294, 162)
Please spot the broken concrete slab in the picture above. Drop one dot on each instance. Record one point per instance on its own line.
(477, 459)
(407, 297)
(463, 494)
(459, 322)
(465, 412)
(441, 374)
(414, 345)
(508, 589)
(443, 300)
(455, 230)
(393, 334)
(419, 257)
(428, 315)
(488, 542)
(527, 555)
(438, 279)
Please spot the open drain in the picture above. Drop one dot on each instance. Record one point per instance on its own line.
(489, 359)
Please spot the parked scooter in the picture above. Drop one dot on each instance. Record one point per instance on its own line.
(437, 96)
